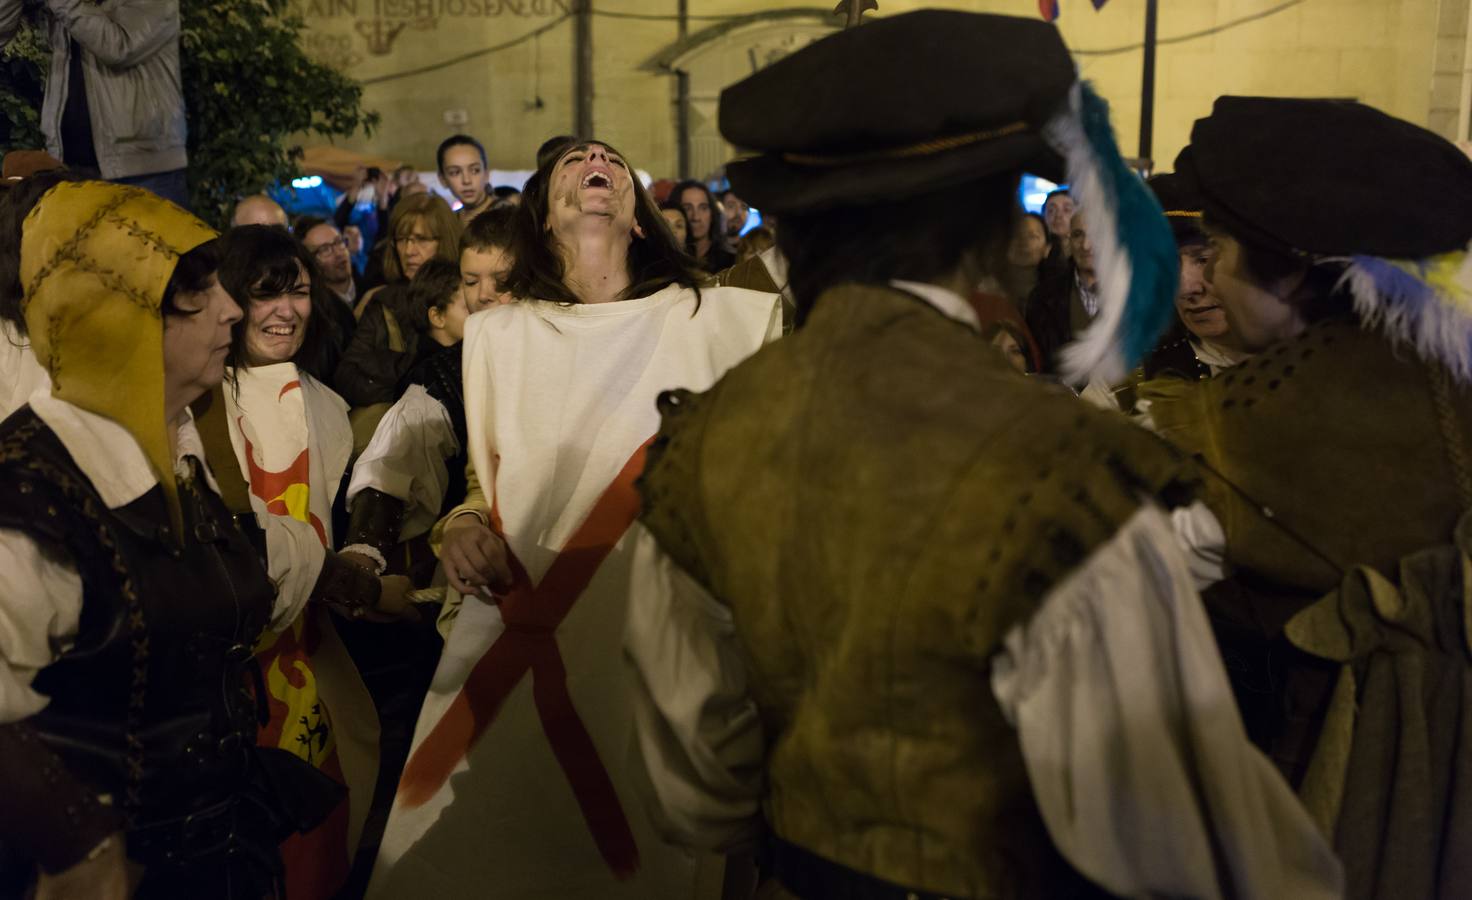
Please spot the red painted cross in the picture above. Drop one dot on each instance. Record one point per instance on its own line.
(532, 614)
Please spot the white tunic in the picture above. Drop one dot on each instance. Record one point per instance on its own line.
(559, 400)
(408, 459)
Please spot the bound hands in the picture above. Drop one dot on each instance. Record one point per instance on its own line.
(475, 559)
(393, 598)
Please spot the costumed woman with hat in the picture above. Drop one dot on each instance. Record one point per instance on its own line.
(129, 602)
(922, 615)
(1338, 502)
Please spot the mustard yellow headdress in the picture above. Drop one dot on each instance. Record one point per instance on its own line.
(94, 261)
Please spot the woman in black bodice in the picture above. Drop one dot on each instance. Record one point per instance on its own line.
(129, 602)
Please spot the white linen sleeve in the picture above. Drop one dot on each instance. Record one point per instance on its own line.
(1199, 534)
(407, 459)
(774, 324)
(40, 608)
(294, 556)
(698, 730)
(1133, 745)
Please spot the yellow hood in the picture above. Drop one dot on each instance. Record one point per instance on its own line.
(95, 259)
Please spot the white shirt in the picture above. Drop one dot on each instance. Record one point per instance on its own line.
(1216, 357)
(1136, 755)
(408, 459)
(21, 374)
(948, 302)
(1088, 298)
(41, 593)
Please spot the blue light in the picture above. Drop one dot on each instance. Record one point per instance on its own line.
(753, 220)
(1033, 191)
(310, 181)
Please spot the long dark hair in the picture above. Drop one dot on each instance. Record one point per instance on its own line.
(259, 261)
(192, 274)
(717, 234)
(15, 204)
(654, 261)
(689, 247)
(918, 238)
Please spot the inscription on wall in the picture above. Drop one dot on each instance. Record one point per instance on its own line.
(377, 25)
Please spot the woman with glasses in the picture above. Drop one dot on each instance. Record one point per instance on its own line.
(386, 344)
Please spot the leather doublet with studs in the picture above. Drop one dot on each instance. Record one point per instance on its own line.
(156, 703)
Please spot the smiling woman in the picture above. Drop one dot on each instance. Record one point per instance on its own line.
(275, 280)
(288, 437)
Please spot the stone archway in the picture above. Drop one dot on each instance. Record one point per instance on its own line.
(716, 57)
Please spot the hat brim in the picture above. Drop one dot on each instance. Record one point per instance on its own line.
(773, 184)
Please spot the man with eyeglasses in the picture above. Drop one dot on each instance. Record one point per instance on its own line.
(329, 250)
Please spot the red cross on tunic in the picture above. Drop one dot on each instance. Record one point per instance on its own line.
(532, 614)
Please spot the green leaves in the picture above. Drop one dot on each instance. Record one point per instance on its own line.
(23, 63)
(250, 90)
(251, 93)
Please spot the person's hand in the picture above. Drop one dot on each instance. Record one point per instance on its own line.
(354, 236)
(474, 558)
(103, 877)
(393, 599)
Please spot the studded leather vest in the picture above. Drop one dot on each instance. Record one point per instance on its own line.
(155, 702)
(878, 498)
(1334, 449)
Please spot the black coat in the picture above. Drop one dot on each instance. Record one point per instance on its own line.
(371, 372)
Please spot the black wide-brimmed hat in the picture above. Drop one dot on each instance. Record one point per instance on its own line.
(923, 101)
(900, 105)
(1182, 207)
(1336, 182)
(1329, 178)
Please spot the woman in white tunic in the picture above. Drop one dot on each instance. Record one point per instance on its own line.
(517, 784)
(289, 442)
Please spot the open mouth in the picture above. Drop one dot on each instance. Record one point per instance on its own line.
(597, 180)
(280, 330)
(1202, 310)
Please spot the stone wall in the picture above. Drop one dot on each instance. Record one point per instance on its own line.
(427, 70)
